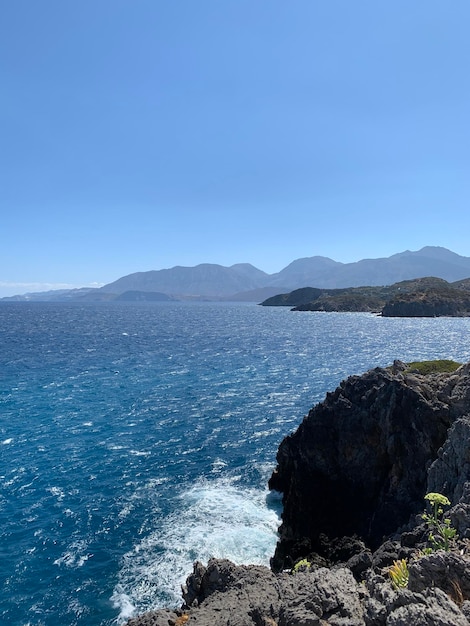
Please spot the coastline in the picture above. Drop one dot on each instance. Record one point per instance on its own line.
(358, 468)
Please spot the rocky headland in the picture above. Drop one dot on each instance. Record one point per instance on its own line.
(419, 297)
(353, 478)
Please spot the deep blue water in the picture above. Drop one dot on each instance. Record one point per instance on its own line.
(136, 438)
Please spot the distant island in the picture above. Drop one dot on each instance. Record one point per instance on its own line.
(420, 297)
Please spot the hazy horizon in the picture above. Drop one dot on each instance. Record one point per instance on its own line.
(36, 288)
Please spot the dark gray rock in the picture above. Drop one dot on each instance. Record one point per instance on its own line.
(231, 595)
(448, 571)
(355, 473)
(358, 464)
(163, 617)
(196, 588)
(465, 608)
(359, 564)
(441, 300)
(385, 606)
(321, 597)
(450, 472)
(224, 593)
(433, 608)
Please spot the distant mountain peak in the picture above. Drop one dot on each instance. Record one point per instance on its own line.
(209, 280)
(436, 252)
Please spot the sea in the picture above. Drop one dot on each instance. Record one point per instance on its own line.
(137, 438)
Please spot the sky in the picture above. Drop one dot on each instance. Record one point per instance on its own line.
(142, 134)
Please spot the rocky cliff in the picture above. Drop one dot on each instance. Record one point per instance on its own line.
(224, 594)
(358, 464)
(419, 297)
(353, 478)
(432, 302)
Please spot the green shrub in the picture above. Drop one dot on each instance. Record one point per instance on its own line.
(429, 367)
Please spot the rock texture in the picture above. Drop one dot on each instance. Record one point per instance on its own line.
(358, 464)
(431, 302)
(224, 594)
(353, 478)
(420, 297)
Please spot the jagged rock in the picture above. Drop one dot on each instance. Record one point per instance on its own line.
(385, 554)
(224, 593)
(162, 617)
(196, 589)
(321, 596)
(460, 514)
(450, 472)
(359, 563)
(446, 570)
(355, 473)
(255, 596)
(442, 300)
(465, 608)
(432, 608)
(385, 606)
(357, 465)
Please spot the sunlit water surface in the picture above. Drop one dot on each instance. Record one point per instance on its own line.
(137, 438)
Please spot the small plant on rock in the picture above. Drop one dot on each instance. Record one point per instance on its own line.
(302, 565)
(441, 533)
(399, 574)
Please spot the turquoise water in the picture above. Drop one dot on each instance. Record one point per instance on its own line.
(136, 438)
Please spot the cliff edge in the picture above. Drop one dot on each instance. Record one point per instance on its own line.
(358, 463)
(353, 478)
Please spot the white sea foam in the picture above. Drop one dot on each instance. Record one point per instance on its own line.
(58, 492)
(218, 465)
(123, 603)
(155, 482)
(213, 519)
(125, 511)
(75, 555)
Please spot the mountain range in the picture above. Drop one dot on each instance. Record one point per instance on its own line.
(244, 282)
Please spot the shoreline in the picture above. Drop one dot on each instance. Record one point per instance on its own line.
(359, 465)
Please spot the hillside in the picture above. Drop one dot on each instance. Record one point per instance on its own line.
(435, 301)
(244, 282)
(421, 297)
(325, 273)
(204, 280)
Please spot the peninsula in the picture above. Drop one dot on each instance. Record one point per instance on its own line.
(419, 297)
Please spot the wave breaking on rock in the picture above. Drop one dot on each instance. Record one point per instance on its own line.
(353, 478)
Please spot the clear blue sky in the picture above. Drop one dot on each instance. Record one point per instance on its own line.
(143, 134)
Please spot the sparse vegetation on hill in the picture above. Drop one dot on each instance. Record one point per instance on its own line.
(431, 367)
(429, 301)
(420, 297)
